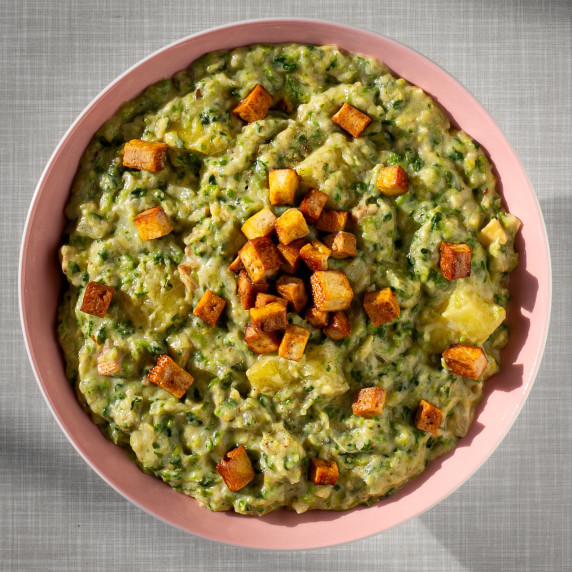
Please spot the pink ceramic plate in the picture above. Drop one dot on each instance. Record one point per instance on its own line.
(504, 394)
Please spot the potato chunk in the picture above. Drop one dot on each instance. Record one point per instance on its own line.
(255, 105)
(464, 360)
(392, 181)
(291, 255)
(210, 307)
(282, 184)
(291, 226)
(351, 120)
(261, 342)
(317, 318)
(381, 306)
(236, 469)
(170, 376)
(369, 402)
(455, 260)
(342, 244)
(269, 318)
(96, 299)
(144, 155)
(109, 360)
(153, 223)
(247, 290)
(331, 290)
(312, 205)
(332, 221)
(493, 232)
(315, 255)
(260, 258)
(263, 299)
(294, 343)
(428, 417)
(338, 327)
(293, 290)
(323, 472)
(259, 224)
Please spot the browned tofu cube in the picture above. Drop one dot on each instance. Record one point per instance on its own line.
(312, 205)
(96, 299)
(263, 299)
(144, 155)
(210, 307)
(261, 342)
(282, 184)
(342, 244)
(170, 376)
(369, 402)
(291, 226)
(392, 181)
(332, 221)
(381, 306)
(153, 223)
(291, 255)
(109, 360)
(315, 255)
(323, 472)
(467, 361)
(331, 290)
(351, 120)
(293, 290)
(428, 417)
(455, 260)
(254, 106)
(247, 290)
(259, 224)
(236, 265)
(317, 318)
(294, 343)
(236, 469)
(269, 318)
(338, 327)
(260, 258)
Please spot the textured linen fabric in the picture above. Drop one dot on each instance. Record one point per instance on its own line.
(513, 514)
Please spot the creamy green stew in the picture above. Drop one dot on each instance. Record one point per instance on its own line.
(283, 412)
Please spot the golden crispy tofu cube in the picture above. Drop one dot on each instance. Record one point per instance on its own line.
(317, 318)
(291, 255)
(369, 402)
(254, 106)
(381, 306)
(247, 290)
(312, 205)
(260, 224)
(269, 318)
(260, 258)
(331, 290)
(294, 343)
(493, 232)
(170, 376)
(323, 472)
(466, 361)
(144, 155)
(236, 469)
(315, 255)
(393, 181)
(261, 342)
(96, 299)
(338, 327)
(351, 120)
(236, 265)
(283, 184)
(293, 290)
(210, 307)
(455, 260)
(428, 417)
(291, 226)
(263, 299)
(153, 223)
(109, 360)
(342, 244)
(332, 221)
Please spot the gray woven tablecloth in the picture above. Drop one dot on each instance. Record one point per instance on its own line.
(515, 513)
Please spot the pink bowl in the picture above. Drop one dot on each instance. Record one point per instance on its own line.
(40, 281)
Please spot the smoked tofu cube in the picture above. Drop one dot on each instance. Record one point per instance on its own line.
(293, 290)
(315, 255)
(236, 266)
(283, 184)
(291, 226)
(369, 402)
(351, 120)
(493, 232)
(269, 318)
(153, 223)
(170, 376)
(260, 224)
(144, 155)
(455, 260)
(342, 244)
(248, 291)
(392, 181)
(260, 258)
(338, 327)
(291, 255)
(210, 308)
(323, 472)
(236, 469)
(96, 299)
(254, 106)
(428, 417)
(312, 205)
(263, 299)
(466, 361)
(331, 290)
(381, 306)
(261, 342)
(294, 343)
(332, 221)
(317, 318)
